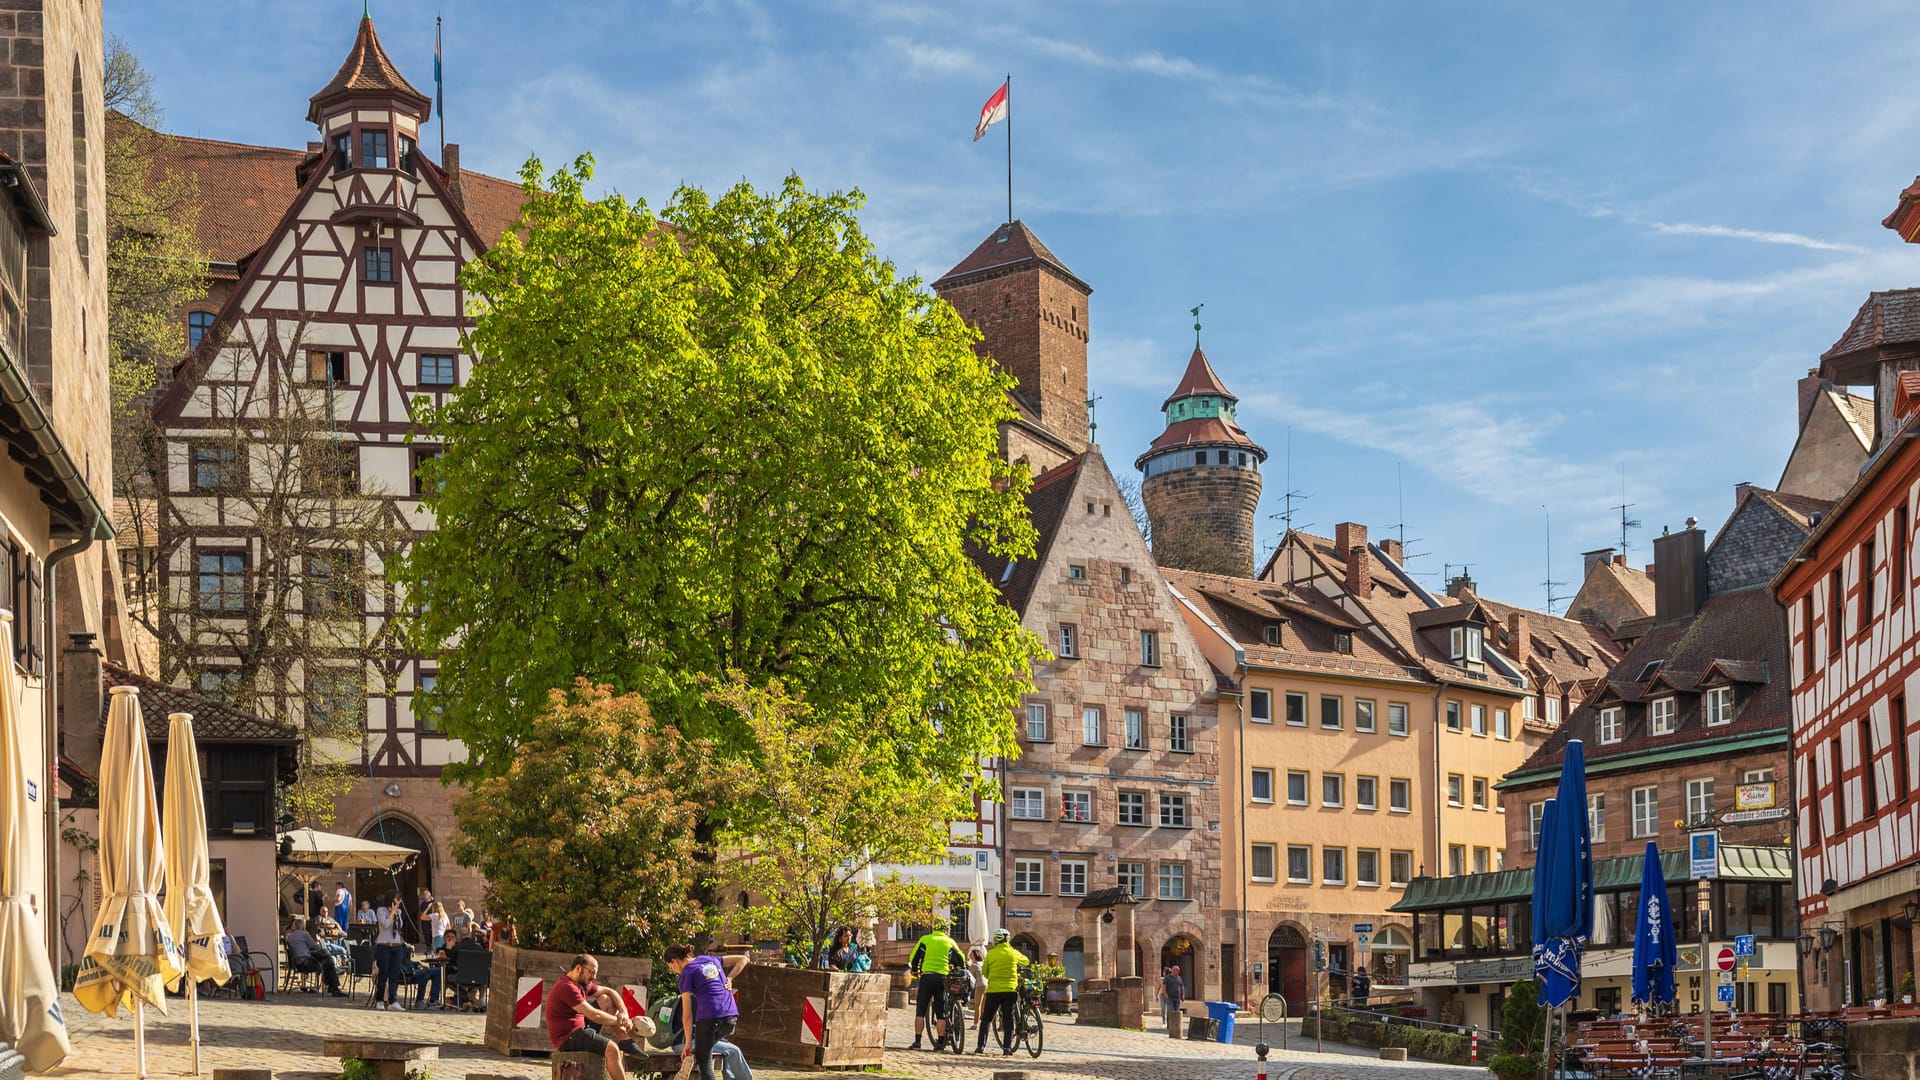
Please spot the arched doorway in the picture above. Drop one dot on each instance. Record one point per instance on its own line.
(409, 879)
(1179, 952)
(1391, 958)
(1028, 945)
(1073, 957)
(1287, 960)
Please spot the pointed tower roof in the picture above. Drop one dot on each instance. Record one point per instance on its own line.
(368, 72)
(1009, 247)
(1200, 378)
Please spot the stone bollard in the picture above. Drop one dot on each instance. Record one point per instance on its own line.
(243, 1074)
(1393, 1053)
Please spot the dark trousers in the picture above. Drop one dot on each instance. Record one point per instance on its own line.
(389, 963)
(323, 964)
(705, 1034)
(997, 1003)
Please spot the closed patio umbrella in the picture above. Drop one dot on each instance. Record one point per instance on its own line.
(979, 920)
(30, 1019)
(131, 954)
(1655, 953)
(190, 907)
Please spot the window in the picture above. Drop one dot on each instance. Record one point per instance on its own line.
(1366, 792)
(1330, 713)
(1699, 798)
(1333, 789)
(1535, 811)
(1456, 785)
(220, 684)
(1297, 787)
(1126, 575)
(1646, 811)
(1173, 881)
(1840, 786)
(377, 264)
(1869, 776)
(1363, 716)
(1597, 817)
(1366, 866)
(436, 370)
(1262, 785)
(1482, 860)
(1479, 793)
(1456, 859)
(1610, 725)
(1076, 572)
(198, 323)
(1660, 714)
(1177, 734)
(328, 586)
(1902, 576)
(1552, 709)
(1399, 867)
(422, 481)
(1173, 811)
(1297, 710)
(1076, 806)
(1836, 608)
(1902, 783)
(1453, 716)
(1260, 706)
(1271, 633)
(1806, 635)
(1073, 877)
(1465, 644)
(1149, 648)
(1037, 721)
(1480, 720)
(216, 468)
(1299, 863)
(1343, 642)
(222, 582)
(329, 467)
(1396, 718)
(373, 149)
(1502, 724)
(336, 698)
(1717, 705)
(1761, 776)
(1400, 795)
(1333, 866)
(1132, 807)
(342, 152)
(1093, 725)
(326, 367)
(1027, 803)
(1133, 877)
(407, 154)
(1136, 729)
(1866, 585)
(426, 714)
(1069, 635)
(1261, 862)
(1029, 876)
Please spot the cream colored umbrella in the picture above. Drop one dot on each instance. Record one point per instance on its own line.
(190, 907)
(30, 1019)
(131, 954)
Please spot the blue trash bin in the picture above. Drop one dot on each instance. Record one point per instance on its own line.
(1222, 1014)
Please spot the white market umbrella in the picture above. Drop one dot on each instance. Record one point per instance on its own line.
(131, 954)
(190, 907)
(979, 920)
(345, 852)
(30, 1019)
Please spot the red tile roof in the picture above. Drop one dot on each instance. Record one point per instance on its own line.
(1198, 379)
(213, 721)
(1905, 218)
(1906, 394)
(1047, 503)
(368, 71)
(1202, 431)
(1242, 608)
(1006, 247)
(1891, 317)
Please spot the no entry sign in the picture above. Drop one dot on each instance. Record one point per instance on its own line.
(1724, 958)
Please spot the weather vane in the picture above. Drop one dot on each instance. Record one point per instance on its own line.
(1196, 324)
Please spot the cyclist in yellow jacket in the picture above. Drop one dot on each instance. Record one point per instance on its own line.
(1002, 968)
(933, 957)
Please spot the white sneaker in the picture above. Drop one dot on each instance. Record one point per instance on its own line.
(381, 1005)
(394, 1006)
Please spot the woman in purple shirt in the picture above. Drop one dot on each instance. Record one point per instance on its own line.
(707, 1008)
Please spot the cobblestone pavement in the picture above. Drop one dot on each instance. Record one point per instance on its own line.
(284, 1034)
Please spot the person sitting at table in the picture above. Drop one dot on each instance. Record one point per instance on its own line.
(305, 954)
(427, 980)
(332, 938)
(365, 916)
(458, 953)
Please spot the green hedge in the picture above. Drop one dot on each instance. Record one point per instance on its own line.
(1429, 1044)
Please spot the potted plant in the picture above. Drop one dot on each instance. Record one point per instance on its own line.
(1059, 988)
(1511, 1066)
(1906, 989)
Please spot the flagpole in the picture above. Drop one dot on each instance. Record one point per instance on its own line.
(440, 90)
(1008, 122)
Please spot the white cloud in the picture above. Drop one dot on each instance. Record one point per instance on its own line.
(937, 59)
(1758, 236)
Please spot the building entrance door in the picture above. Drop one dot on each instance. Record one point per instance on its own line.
(1287, 960)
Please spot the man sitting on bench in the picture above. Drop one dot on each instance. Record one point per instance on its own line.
(305, 954)
(576, 999)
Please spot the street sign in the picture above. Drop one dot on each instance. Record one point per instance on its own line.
(1743, 945)
(1361, 939)
(1724, 976)
(1753, 796)
(1724, 959)
(1726, 994)
(1019, 914)
(1703, 854)
(1748, 817)
(1363, 928)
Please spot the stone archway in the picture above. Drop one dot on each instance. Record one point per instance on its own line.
(1287, 965)
(1029, 947)
(409, 879)
(1073, 957)
(1183, 953)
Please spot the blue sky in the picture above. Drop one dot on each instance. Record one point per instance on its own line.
(1512, 251)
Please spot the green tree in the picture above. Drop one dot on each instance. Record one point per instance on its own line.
(823, 812)
(1522, 1020)
(729, 438)
(586, 840)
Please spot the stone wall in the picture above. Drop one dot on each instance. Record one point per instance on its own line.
(1203, 518)
(1033, 322)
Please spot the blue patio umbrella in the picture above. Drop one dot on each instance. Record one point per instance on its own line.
(1565, 904)
(1655, 953)
(1541, 856)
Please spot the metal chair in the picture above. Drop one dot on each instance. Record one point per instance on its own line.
(470, 973)
(297, 976)
(360, 966)
(254, 958)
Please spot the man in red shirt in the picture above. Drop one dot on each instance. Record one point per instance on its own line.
(576, 999)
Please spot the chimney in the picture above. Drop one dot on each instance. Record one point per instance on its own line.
(1519, 645)
(1589, 558)
(315, 147)
(1680, 583)
(1392, 549)
(1460, 585)
(450, 164)
(83, 709)
(1619, 560)
(1810, 387)
(1351, 541)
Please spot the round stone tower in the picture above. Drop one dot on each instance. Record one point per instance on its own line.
(1201, 479)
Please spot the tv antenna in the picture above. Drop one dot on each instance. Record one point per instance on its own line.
(1626, 522)
(1289, 495)
(1400, 527)
(1549, 584)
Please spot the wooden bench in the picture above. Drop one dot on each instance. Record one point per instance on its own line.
(390, 1058)
(580, 1065)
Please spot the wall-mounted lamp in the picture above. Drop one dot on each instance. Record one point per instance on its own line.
(1829, 934)
(1806, 944)
(393, 789)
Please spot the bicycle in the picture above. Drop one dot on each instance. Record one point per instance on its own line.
(959, 992)
(1027, 1030)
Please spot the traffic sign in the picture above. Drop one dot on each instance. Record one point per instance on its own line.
(1703, 854)
(1724, 958)
(1724, 976)
(1362, 940)
(1743, 945)
(1363, 928)
(1726, 994)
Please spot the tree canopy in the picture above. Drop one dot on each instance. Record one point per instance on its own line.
(727, 438)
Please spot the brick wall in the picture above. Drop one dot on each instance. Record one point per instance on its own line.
(1203, 518)
(1033, 323)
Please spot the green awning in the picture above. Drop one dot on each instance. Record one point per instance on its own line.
(1625, 762)
(1738, 862)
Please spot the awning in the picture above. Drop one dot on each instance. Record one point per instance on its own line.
(1738, 862)
(345, 852)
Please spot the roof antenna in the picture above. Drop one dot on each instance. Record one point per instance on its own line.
(1400, 527)
(1549, 584)
(1625, 522)
(1196, 324)
(1289, 495)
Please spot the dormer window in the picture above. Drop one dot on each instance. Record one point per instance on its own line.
(1272, 634)
(1343, 642)
(1716, 705)
(374, 150)
(1465, 642)
(1661, 713)
(1611, 725)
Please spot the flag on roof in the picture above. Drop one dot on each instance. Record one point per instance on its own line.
(994, 111)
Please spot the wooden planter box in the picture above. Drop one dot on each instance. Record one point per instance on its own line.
(517, 993)
(811, 1019)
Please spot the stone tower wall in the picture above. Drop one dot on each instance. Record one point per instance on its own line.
(1033, 322)
(1203, 518)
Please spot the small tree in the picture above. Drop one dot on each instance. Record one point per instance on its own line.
(587, 839)
(824, 810)
(1522, 1022)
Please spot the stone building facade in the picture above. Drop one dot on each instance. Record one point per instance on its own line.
(1201, 478)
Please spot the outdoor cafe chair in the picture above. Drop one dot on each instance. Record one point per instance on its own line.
(253, 958)
(469, 972)
(360, 965)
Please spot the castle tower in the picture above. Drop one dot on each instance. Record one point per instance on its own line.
(1201, 478)
(1031, 312)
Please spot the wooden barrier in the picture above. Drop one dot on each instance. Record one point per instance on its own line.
(811, 1019)
(516, 1013)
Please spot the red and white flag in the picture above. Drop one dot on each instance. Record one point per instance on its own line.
(994, 111)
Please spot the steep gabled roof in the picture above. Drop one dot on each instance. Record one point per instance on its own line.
(367, 71)
(1047, 503)
(213, 721)
(1199, 378)
(1008, 247)
(1889, 317)
(1243, 607)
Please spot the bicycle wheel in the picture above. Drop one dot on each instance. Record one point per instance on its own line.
(1032, 1033)
(956, 1028)
(1273, 1008)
